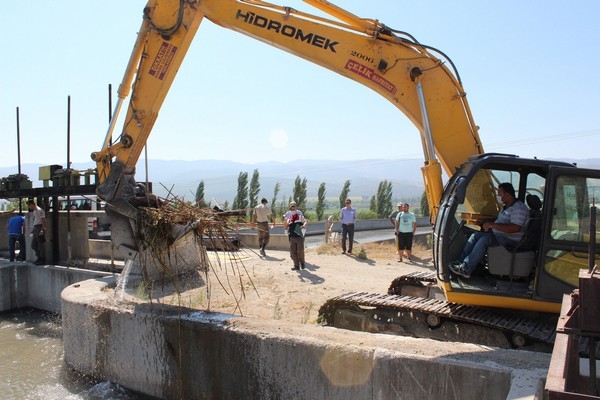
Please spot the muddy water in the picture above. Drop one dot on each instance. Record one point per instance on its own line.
(32, 365)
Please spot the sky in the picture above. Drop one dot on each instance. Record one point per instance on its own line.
(530, 70)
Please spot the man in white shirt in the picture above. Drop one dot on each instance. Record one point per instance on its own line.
(348, 218)
(38, 239)
(261, 216)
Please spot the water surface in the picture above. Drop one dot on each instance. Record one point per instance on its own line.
(32, 366)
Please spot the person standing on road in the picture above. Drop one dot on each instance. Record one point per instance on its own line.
(38, 239)
(406, 225)
(295, 223)
(261, 216)
(15, 228)
(392, 218)
(348, 218)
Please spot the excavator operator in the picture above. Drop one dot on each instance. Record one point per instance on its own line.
(506, 229)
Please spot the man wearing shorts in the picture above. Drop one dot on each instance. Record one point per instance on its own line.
(406, 225)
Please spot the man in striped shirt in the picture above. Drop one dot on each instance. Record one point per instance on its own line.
(506, 229)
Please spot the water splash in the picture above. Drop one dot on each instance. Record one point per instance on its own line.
(16, 280)
(122, 281)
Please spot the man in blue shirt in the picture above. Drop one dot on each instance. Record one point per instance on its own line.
(15, 227)
(348, 218)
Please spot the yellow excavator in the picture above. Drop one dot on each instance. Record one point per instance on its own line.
(518, 293)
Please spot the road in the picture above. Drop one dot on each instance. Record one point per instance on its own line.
(378, 235)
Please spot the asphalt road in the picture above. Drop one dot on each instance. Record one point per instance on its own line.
(379, 235)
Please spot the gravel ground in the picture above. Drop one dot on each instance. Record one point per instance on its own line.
(247, 284)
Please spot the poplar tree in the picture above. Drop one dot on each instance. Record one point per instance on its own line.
(424, 205)
(241, 199)
(300, 193)
(344, 193)
(200, 195)
(373, 204)
(384, 199)
(276, 190)
(254, 189)
(321, 201)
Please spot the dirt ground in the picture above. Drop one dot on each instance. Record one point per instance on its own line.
(248, 284)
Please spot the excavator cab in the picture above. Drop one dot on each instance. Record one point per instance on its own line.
(532, 277)
(514, 297)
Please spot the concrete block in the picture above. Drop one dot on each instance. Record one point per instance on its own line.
(169, 352)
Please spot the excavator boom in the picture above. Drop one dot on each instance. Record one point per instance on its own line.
(400, 69)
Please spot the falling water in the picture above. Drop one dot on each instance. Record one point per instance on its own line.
(122, 281)
(16, 276)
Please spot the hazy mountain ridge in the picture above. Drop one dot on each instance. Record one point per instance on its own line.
(220, 177)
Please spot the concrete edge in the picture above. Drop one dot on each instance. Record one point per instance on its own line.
(167, 352)
(38, 286)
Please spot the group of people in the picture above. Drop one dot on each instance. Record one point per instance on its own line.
(294, 223)
(405, 225)
(16, 234)
(506, 229)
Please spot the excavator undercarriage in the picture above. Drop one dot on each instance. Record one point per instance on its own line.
(420, 315)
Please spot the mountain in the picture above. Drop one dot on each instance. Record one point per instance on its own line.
(220, 177)
(181, 178)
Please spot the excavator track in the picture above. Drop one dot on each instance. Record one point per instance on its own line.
(413, 279)
(438, 319)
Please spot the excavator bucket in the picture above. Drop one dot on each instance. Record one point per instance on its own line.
(165, 239)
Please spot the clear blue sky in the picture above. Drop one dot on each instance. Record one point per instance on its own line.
(530, 69)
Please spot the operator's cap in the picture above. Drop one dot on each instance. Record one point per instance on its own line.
(399, 204)
(30, 201)
(293, 203)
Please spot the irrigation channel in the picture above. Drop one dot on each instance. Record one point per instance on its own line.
(32, 365)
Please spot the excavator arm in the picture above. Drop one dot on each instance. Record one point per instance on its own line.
(397, 67)
(393, 64)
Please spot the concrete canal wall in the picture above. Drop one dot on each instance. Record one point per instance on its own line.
(171, 352)
(38, 286)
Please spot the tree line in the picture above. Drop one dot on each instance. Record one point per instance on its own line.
(380, 204)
